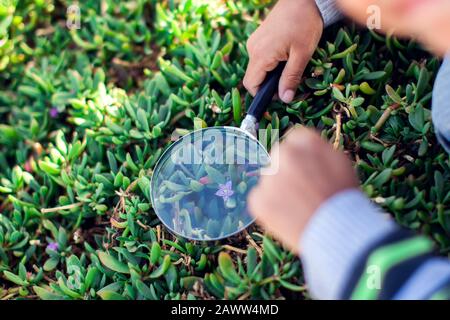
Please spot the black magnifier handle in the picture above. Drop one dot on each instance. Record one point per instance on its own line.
(266, 92)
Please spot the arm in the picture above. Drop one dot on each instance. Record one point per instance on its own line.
(349, 249)
(441, 105)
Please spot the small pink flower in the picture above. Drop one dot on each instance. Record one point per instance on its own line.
(253, 173)
(225, 191)
(204, 180)
(54, 112)
(53, 246)
(28, 167)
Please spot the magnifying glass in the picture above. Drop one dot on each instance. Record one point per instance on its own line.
(200, 184)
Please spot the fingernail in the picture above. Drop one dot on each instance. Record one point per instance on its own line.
(288, 96)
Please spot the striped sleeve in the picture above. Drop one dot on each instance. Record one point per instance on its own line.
(441, 105)
(351, 250)
(329, 11)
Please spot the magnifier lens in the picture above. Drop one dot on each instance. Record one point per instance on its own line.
(200, 185)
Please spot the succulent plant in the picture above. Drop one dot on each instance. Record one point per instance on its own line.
(86, 113)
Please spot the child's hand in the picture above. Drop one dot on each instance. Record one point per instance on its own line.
(431, 24)
(426, 20)
(309, 172)
(290, 33)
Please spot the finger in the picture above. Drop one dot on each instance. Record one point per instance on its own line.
(255, 202)
(263, 202)
(431, 28)
(303, 138)
(274, 165)
(291, 77)
(256, 73)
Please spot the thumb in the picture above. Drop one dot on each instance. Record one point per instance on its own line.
(291, 77)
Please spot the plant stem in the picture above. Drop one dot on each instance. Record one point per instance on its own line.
(231, 248)
(384, 117)
(66, 207)
(337, 139)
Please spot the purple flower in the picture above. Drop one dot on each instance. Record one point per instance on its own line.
(53, 246)
(225, 191)
(54, 112)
